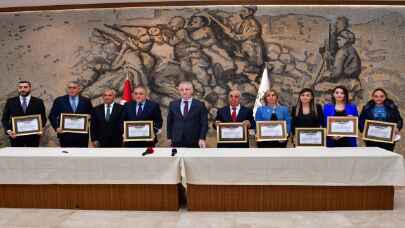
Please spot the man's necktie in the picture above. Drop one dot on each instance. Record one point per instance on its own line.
(73, 103)
(233, 115)
(185, 110)
(108, 114)
(138, 113)
(24, 104)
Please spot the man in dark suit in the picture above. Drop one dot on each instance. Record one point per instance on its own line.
(235, 112)
(70, 103)
(142, 109)
(23, 105)
(187, 119)
(106, 122)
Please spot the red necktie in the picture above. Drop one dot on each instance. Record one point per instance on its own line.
(185, 109)
(233, 115)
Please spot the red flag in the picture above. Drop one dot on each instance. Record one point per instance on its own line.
(126, 93)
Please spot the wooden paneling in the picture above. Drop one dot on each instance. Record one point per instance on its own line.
(288, 198)
(111, 197)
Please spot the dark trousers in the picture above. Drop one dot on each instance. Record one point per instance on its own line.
(110, 143)
(25, 141)
(73, 140)
(184, 144)
(272, 144)
(387, 146)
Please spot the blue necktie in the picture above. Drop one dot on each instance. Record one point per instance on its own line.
(73, 103)
(139, 109)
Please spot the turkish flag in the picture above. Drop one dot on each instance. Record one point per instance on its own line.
(126, 93)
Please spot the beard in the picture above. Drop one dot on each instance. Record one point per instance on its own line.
(24, 94)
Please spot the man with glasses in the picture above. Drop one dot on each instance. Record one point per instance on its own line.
(142, 109)
(106, 122)
(72, 102)
(22, 105)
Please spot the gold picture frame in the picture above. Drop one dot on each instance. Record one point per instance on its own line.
(260, 125)
(15, 122)
(82, 130)
(368, 137)
(221, 139)
(342, 119)
(298, 135)
(128, 124)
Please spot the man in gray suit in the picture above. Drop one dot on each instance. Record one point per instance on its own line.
(187, 119)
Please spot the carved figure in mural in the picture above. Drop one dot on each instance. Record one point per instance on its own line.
(201, 33)
(248, 34)
(329, 50)
(346, 67)
(134, 56)
(189, 53)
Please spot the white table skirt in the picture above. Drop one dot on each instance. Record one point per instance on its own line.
(87, 166)
(292, 166)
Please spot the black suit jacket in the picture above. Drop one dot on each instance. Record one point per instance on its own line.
(13, 108)
(150, 111)
(187, 130)
(224, 115)
(62, 105)
(107, 133)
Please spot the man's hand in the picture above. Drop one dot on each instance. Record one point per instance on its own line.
(11, 134)
(169, 141)
(59, 130)
(94, 143)
(201, 143)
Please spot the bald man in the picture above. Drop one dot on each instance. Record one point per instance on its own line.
(235, 112)
(187, 119)
(106, 122)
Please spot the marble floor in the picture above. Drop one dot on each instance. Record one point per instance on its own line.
(46, 218)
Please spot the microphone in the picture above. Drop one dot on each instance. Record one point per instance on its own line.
(148, 150)
(174, 152)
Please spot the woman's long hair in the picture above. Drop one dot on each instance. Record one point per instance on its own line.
(312, 106)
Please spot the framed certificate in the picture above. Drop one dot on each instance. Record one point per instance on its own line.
(379, 131)
(345, 126)
(271, 130)
(138, 131)
(27, 125)
(74, 123)
(310, 137)
(235, 132)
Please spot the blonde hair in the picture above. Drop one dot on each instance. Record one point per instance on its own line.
(267, 93)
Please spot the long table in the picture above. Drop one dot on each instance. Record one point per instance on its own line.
(296, 179)
(216, 179)
(91, 178)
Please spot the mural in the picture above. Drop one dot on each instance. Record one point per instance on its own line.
(217, 48)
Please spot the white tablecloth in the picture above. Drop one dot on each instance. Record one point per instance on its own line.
(294, 166)
(300, 166)
(87, 166)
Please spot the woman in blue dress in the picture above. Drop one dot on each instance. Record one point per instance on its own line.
(340, 106)
(273, 110)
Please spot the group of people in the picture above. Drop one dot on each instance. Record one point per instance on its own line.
(187, 117)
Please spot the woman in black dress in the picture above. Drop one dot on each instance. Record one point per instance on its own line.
(306, 114)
